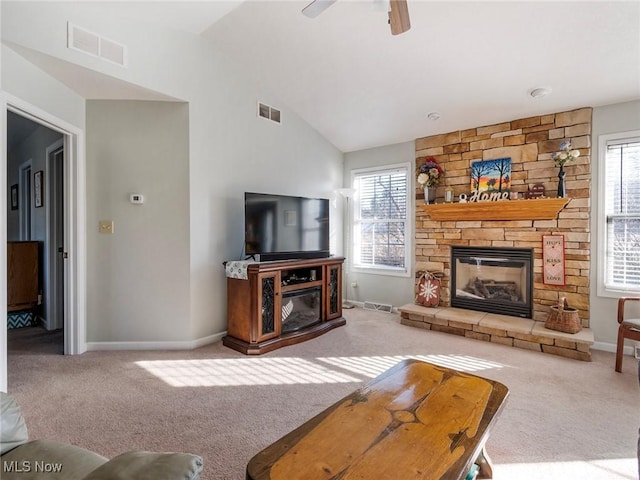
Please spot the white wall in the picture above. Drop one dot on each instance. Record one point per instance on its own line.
(622, 117)
(29, 83)
(393, 290)
(231, 150)
(138, 278)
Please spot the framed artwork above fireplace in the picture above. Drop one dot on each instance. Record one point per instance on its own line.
(491, 175)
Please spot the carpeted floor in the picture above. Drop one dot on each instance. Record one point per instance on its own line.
(565, 419)
(35, 340)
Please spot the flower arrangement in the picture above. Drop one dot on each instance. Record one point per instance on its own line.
(429, 173)
(565, 154)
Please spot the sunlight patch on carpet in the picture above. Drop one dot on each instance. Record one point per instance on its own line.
(292, 370)
(374, 366)
(243, 371)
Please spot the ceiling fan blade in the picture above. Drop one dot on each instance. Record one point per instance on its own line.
(399, 16)
(316, 7)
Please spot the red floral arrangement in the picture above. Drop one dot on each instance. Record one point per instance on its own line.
(429, 172)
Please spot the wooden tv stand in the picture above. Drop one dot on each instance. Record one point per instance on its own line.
(254, 304)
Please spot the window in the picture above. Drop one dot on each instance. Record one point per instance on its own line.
(380, 223)
(620, 207)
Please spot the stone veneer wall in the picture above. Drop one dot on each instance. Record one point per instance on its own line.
(529, 142)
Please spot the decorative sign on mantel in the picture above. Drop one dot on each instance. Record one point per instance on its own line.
(484, 197)
(553, 259)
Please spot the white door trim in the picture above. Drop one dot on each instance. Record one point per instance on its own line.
(3, 241)
(51, 248)
(75, 238)
(24, 197)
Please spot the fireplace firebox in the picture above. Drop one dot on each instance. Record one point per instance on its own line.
(493, 280)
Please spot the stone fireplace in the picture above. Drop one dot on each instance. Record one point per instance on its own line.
(529, 143)
(494, 280)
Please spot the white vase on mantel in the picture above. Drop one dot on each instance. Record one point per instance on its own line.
(429, 194)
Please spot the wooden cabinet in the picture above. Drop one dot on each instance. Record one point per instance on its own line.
(333, 287)
(282, 303)
(23, 285)
(269, 305)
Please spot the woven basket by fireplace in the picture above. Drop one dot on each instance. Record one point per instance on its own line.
(563, 318)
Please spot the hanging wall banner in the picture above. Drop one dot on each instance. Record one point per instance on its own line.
(553, 259)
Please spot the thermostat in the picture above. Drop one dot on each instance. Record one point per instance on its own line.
(136, 198)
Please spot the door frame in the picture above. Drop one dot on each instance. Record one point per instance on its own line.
(75, 218)
(51, 248)
(24, 206)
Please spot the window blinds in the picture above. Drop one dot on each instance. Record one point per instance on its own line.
(380, 218)
(622, 211)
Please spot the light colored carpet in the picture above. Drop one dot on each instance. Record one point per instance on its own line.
(564, 419)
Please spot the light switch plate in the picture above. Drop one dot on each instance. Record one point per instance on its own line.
(105, 226)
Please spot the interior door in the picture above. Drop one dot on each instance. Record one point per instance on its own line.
(56, 310)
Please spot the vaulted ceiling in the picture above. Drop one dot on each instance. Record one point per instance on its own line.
(474, 63)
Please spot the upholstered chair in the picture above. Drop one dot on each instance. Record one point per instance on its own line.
(627, 328)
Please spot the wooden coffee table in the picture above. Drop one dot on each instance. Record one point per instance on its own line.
(414, 421)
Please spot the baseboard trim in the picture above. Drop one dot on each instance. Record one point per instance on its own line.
(611, 347)
(170, 345)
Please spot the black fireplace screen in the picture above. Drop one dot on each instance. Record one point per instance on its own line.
(300, 309)
(494, 280)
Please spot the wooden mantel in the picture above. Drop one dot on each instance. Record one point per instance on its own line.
(533, 209)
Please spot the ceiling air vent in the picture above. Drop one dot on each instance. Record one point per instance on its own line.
(93, 44)
(269, 113)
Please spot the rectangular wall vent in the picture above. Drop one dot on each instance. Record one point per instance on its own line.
(380, 307)
(93, 44)
(83, 40)
(112, 51)
(269, 113)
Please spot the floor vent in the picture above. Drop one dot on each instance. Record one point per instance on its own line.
(93, 44)
(268, 113)
(379, 307)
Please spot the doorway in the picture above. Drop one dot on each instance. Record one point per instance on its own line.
(35, 280)
(74, 204)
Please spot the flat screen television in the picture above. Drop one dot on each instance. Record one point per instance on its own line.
(282, 227)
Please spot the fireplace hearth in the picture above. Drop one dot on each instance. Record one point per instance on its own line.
(493, 280)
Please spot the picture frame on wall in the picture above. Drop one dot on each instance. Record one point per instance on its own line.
(491, 175)
(38, 187)
(14, 197)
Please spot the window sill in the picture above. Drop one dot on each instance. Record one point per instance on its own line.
(611, 292)
(380, 271)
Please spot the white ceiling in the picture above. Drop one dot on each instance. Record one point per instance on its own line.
(472, 62)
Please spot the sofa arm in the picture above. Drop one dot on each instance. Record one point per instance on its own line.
(13, 429)
(149, 466)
